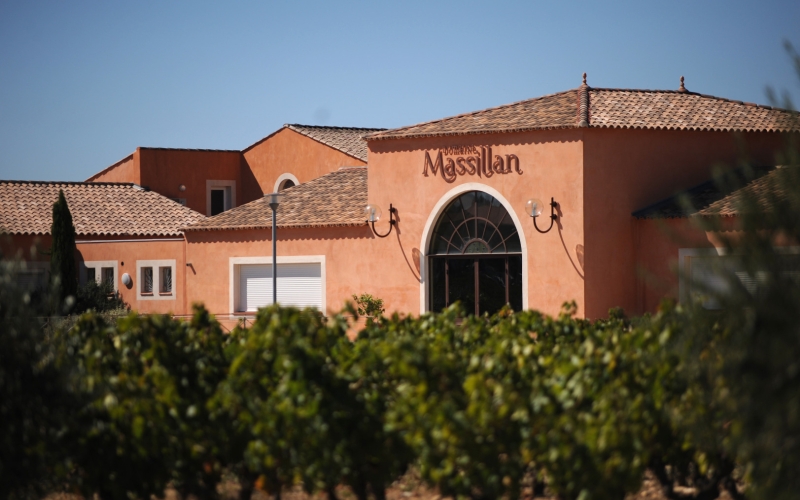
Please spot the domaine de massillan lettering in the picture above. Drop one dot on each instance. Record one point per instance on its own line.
(481, 163)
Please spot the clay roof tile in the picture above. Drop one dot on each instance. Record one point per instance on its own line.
(98, 209)
(609, 108)
(334, 199)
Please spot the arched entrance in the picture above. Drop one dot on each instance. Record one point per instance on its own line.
(475, 256)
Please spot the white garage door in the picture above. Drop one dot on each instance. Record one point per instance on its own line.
(299, 285)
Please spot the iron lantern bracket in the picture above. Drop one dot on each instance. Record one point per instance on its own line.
(392, 223)
(553, 217)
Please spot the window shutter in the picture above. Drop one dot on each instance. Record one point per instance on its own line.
(299, 285)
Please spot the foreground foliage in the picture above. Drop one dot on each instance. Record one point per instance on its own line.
(707, 399)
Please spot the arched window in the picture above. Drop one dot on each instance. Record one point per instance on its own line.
(475, 256)
(475, 222)
(285, 181)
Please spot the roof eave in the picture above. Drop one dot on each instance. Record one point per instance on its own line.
(280, 226)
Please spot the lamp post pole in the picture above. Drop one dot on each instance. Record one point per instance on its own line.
(274, 201)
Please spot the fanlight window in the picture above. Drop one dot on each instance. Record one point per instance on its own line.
(475, 223)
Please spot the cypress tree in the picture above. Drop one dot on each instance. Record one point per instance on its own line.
(62, 257)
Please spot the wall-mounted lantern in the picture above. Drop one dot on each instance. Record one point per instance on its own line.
(534, 207)
(373, 213)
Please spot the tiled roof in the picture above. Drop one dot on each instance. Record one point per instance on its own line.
(98, 208)
(348, 140)
(335, 199)
(609, 108)
(707, 198)
(772, 186)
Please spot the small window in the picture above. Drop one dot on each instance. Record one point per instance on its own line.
(165, 280)
(107, 275)
(99, 271)
(147, 281)
(156, 279)
(286, 184)
(220, 196)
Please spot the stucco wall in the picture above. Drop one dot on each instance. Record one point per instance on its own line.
(165, 170)
(351, 265)
(126, 253)
(125, 170)
(657, 246)
(287, 151)
(626, 170)
(25, 247)
(551, 164)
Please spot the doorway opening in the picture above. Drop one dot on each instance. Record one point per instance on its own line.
(475, 256)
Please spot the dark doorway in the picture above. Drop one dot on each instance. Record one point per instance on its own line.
(475, 256)
(217, 201)
(482, 284)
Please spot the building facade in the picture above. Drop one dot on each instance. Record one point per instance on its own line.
(460, 191)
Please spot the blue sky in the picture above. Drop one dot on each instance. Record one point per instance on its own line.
(82, 84)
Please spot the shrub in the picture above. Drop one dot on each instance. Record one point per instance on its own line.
(98, 297)
(295, 407)
(146, 381)
(34, 400)
(369, 306)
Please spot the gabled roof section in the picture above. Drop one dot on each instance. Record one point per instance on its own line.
(334, 199)
(610, 108)
(98, 209)
(548, 112)
(348, 140)
(708, 198)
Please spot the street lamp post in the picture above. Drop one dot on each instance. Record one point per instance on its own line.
(274, 199)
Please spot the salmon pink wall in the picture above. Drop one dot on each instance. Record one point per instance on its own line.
(254, 170)
(126, 253)
(627, 170)
(25, 247)
(165, 170)
(657, 244)
(125, 170)
(551, 164)
(351, 265)
(287, 151)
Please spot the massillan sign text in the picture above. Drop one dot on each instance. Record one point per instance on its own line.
(469, 160)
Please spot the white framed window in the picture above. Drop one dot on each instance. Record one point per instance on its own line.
(156, 279)
(301, 282)
(705, 272)
(220, 196)
(99, 271)
(285, 181)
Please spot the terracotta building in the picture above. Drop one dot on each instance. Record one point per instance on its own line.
(455, 195)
